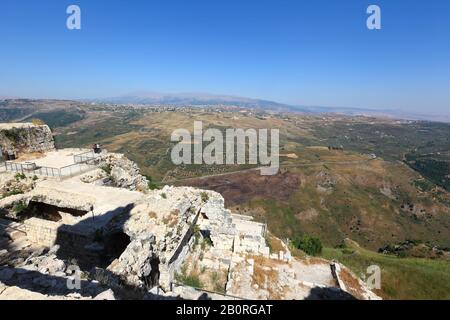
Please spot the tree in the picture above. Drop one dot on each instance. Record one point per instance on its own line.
(310, 245)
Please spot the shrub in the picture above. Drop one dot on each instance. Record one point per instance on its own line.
(153, 186)
(204, 196)
(19, 207)
(13, 134)
(309, 245)
(37, 122)
(20, 176)
(208, 241)
(348, 251)
(12, 193)
(191, 280)
(107, 168)
(164, 195)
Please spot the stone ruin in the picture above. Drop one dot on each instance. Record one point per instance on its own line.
(129, 242)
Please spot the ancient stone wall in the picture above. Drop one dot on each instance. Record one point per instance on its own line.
(72, 244)
(41, 231)
(79, 245)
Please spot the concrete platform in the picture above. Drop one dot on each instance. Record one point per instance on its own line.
(99, 200)
(53, 159)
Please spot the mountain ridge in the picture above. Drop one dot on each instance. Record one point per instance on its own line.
(206, 99)
(201, 99)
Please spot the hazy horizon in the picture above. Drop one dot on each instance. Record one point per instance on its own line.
(295, 52)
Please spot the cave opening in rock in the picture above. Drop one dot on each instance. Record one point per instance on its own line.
(115, 245)
(153, 279)
(47, 212)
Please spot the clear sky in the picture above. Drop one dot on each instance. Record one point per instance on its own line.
(301, 52)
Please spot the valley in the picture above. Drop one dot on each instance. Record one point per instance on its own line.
(377, 181)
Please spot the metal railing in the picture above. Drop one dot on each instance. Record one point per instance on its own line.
(19, 167)
(79, 166)
(75, 169)
(47, 171)
(84, 157)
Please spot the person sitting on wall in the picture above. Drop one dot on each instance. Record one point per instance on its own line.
(96, 148)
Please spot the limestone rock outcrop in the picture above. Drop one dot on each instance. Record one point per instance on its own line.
(123, 172)
(42, 275)
(11, 183)
(26, 138)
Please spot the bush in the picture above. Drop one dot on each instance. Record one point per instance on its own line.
(207, 242)
(37, 122)
(191, 281)
(204, 196)
(19, 207)
(20, 176)
(12, 193)
(310, 245)
(164, 195)
(107, 168)
(13, 134)
(153, 186)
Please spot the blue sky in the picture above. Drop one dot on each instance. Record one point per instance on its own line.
(300, 52)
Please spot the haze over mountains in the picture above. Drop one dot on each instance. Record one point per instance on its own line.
(206, 99)
(191, 98)
(198, 99)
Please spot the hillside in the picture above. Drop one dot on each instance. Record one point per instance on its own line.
(401, 278)
(334, 194)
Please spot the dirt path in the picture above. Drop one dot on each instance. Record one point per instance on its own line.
(321, 163)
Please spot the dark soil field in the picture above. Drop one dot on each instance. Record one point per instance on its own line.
(242, 187)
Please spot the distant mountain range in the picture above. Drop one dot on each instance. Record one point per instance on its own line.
(201, 99)
(193, 99)
(8, 97)
(384, 113)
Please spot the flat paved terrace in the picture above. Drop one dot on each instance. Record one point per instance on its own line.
(58, 163)
(102, 203)
(53, 159)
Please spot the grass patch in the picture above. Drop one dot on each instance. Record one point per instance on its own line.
(401, 278)
(191, 280)
(12, 193)
(217, 282)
